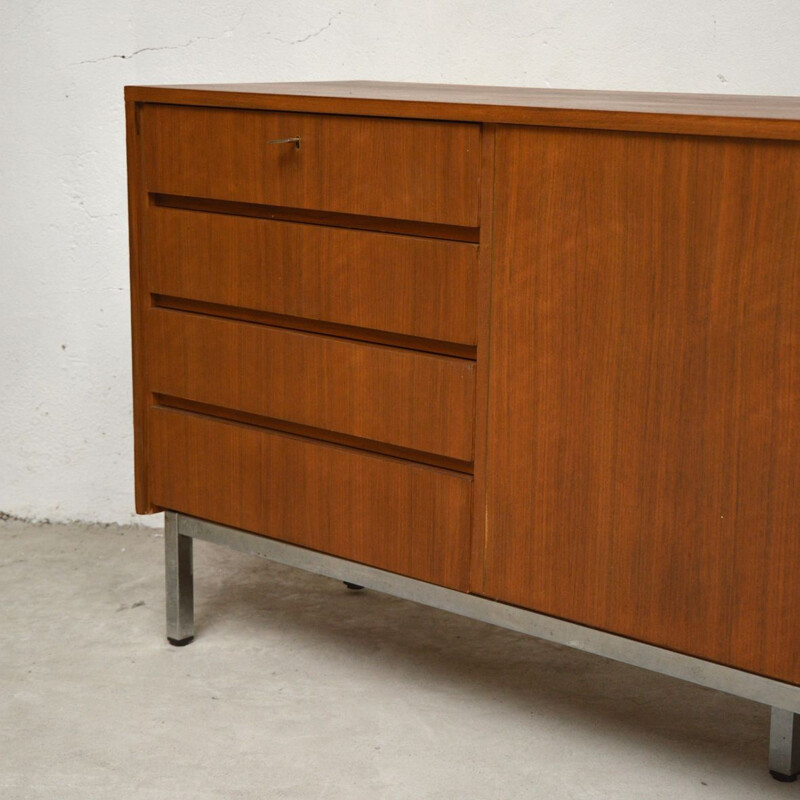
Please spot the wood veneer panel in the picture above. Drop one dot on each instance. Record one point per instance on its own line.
(331, 219)
(644, 464)
(482, 375)
(409, 399)
(308, 432)
(402, 517)
(140, 301)
(703, 114)
(409, 285)
(417, 170)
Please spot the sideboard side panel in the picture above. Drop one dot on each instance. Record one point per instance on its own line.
(644, 406)
(140, 302)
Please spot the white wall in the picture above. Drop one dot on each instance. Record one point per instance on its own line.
(65, 411)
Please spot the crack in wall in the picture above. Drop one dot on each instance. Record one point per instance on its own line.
(195, 39)
(133, 54)
(313, 34)
(140, 50)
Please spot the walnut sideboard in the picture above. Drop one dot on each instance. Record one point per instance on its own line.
(531, 356)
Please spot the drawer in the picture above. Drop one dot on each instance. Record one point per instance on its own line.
(401, 284)
(401, 517)
(401, 169)
(383, 394)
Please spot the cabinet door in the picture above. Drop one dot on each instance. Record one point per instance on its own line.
(644, 422)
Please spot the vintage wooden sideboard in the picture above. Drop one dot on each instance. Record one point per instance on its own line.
(532, 356)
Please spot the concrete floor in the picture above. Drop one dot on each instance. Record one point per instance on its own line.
(298, 688)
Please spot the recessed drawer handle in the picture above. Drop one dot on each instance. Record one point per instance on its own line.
(290, 140)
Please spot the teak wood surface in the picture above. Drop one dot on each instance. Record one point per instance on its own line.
(590, 300)
(701, 114)
(404, 169)
(645, 389)
(388, 513)
(407, 285)
(384, 394)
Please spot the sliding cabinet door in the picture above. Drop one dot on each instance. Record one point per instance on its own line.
(644, 426)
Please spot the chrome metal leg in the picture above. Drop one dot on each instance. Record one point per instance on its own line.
(180, 582)
(784, 745)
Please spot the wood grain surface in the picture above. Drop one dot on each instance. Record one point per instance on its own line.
(403, 284)
(140, 303)
(702, 114)
(596, 308)
(413, 400)
(644, 431)
(482, 374)
(406, 518)
(417, 170)
(331, 219)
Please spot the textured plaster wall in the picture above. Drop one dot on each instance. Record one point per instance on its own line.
(65, 412)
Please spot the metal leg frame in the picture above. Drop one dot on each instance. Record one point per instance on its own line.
(180, 582)
(784, 745)
(180, 530)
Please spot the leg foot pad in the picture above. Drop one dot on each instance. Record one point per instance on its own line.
(352, 586)
(783, 778)
(180, 642)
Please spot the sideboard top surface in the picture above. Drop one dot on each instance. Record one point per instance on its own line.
(705, 114)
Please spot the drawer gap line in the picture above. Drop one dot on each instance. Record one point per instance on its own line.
(318, 327)
(309, 432)
(331, 219)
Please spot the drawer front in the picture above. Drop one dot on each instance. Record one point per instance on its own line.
(401, 284)
(384, 394)
(402, 169)
(401, 517)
